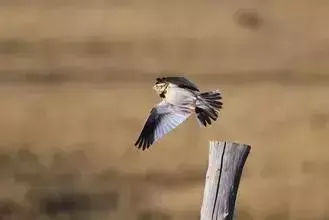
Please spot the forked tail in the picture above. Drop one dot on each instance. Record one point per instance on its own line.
(208, 106)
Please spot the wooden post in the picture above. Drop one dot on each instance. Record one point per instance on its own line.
(225, 165)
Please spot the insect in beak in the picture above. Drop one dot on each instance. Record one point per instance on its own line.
(159, 87)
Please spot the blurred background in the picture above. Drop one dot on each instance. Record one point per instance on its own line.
(76, 87)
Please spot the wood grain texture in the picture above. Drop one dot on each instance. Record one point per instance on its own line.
(226, 161)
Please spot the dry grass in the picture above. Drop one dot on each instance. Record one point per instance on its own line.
(289, 158)
(76, 88)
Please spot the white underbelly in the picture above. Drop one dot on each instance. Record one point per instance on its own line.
(179, 96)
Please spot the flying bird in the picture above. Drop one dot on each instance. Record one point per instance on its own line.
(180, 99)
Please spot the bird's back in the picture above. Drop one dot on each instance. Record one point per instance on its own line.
(179, 96)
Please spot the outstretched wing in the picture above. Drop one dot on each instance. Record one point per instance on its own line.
(180, 82)
(163, 118)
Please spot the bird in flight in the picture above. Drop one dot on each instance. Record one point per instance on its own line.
(180, 99)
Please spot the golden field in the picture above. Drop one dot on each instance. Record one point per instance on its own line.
(76, 87)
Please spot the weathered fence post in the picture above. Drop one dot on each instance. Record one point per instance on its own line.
(225, 165)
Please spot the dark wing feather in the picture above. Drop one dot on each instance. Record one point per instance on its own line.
(162, 119)
(180, 82)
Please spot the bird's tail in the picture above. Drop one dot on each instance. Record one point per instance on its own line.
(208, 106)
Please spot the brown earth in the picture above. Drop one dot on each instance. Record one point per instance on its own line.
(76, 80)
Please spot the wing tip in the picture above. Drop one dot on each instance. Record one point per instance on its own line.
(143, 144)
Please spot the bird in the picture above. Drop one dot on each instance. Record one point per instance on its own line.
(180, 98)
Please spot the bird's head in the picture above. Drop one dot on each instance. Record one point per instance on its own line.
(160, 86)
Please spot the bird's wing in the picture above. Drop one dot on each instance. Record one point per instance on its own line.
(180, 81)
(163, 118)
